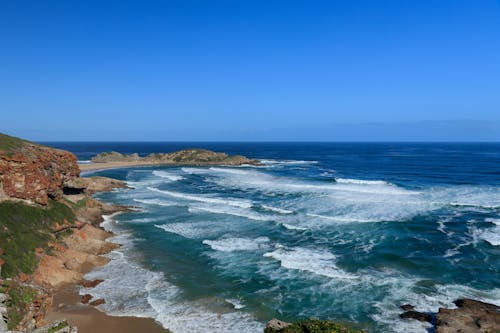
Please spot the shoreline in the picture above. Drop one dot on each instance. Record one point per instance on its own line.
(84, 250)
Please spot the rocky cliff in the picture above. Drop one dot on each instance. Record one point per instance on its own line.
(32, 172)
(181, 157)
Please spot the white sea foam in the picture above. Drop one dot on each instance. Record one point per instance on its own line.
(319, 262)
(277, 210)
(167, 175)
(491, 235)
(287, 162)
(228, 210)
(155, 202)
(238, 244)
(494, 221)
(236, 303)
(84, 161)
(195, 230)
(292, 227)
(361, 181)
(131, 290)
(217, 200)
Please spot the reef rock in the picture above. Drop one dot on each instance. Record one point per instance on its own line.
(471, 316)
(32, 172)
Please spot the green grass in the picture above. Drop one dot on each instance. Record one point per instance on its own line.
(10, 144)
(24, 228)
(20, 298)
(58, 327)
(314, 326)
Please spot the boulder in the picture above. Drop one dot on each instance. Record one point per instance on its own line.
(470, 316)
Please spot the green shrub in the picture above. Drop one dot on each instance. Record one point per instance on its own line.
(24, 228)
(314, 326)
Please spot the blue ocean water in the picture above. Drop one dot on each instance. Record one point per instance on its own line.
(345, 231)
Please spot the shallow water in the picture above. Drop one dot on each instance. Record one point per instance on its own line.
(337, 231)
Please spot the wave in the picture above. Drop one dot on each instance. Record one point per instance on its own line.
(277, 210)
(235, 211)
(341, 218)
(318, 262)
(361, 181)
(286, 162)
(155, 202)
(237, 244)
(132, 290)
(167, 175)
(494, 221)
(236, 303)
(84, 161)
(292, 227)
(191, 197)
(193, 230)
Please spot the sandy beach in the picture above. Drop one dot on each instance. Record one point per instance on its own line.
(113, 165)
(67, 305)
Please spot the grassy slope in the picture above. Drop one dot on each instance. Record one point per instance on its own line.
(10, 144)
(24, 228)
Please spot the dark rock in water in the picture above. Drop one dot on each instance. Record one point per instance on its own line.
(407, 307)
(86, 298)
(308, 326)
(98, 302)
(471, 316)
(91, 284)
(416, 315)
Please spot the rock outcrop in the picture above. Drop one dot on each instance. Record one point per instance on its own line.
(32, 172)
(470, 316)
(182, 157)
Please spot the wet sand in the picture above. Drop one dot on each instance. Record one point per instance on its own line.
(67, 305)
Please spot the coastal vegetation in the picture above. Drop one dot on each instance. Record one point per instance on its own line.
(312, 326)
(24, 229)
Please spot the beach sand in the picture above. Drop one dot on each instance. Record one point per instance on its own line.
(114, 165)
(67, 305)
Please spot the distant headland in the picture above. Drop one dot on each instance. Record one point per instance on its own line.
(194, 156)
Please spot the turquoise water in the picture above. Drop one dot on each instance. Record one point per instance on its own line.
(335, 231)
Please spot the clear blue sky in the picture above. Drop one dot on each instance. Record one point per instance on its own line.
(250, 70)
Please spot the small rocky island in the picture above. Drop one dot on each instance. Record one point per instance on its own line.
(193, 156)
(185, 157)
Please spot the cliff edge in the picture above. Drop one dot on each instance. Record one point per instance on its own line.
(33, 172)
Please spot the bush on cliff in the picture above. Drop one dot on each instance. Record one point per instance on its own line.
(313, 326)
(23, 228)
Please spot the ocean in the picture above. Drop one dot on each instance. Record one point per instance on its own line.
(341, 231)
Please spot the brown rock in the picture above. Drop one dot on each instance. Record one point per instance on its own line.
(471, 316)
(98, 302)
(33, 172)
(86, 298)
(416, 315)
(276, 325)
(91, 284)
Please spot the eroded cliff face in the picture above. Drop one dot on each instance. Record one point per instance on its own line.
(33, 172)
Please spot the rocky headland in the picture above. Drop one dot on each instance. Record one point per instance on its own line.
(185, 157)
(50, 235)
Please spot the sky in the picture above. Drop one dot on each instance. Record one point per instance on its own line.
(250, 70)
